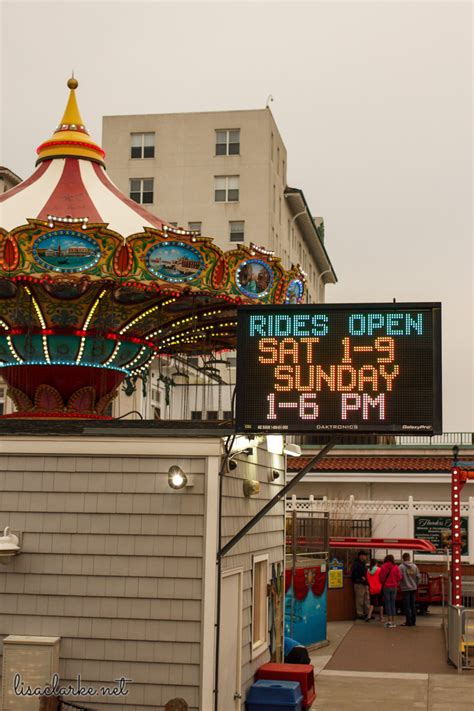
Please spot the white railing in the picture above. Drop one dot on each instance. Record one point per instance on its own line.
(355, 506)
(448, 438)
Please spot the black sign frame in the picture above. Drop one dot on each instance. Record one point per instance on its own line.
(244, 423)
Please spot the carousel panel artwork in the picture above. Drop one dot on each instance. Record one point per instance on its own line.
(66, 251)
(254, 278)
(294, 292)
(175, 261)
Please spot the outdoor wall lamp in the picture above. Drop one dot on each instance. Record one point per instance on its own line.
(177, 479)
(292, 450)
(277, 445)
(9, 546)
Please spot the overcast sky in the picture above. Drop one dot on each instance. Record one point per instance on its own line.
(373, 101)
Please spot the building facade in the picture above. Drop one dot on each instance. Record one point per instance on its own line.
(402, 490)
(220, 173)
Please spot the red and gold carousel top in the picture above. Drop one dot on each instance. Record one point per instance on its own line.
(91, 279)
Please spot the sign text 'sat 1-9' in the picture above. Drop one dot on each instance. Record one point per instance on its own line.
(339, 368)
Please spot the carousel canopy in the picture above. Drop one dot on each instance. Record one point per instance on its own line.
(93, 286)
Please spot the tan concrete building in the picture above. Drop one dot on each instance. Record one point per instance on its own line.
(224, 174)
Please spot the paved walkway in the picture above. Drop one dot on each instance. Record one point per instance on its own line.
(369, 651)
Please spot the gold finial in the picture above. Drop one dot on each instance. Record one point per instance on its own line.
(72, 82)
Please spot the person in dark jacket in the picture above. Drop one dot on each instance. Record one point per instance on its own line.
(359, 581)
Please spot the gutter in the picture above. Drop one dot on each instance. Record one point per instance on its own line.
(297, 192)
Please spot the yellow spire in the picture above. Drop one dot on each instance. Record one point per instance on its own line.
(71, 138)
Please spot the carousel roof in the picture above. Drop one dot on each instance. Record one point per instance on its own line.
(93, 287)
(70, 181)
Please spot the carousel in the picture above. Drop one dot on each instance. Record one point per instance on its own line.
(93, 287)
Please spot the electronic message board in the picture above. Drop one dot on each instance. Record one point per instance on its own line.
(339, 368)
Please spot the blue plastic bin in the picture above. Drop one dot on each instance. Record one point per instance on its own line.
(271, 695)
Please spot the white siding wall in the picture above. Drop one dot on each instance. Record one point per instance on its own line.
(111, 563)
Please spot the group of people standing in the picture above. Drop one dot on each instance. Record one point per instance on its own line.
(376, 585)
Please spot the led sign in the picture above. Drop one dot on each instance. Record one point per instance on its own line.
(339, 368)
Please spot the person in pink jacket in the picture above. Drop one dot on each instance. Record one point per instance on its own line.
(390, 577)
(375, 587)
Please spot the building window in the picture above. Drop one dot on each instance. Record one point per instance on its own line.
(278, 160)
(2, 401)
(226, 188)
(142, 145)
(141, 190)
(195, 226)
(271, 148)
(228, 142)
(227, 415)
(173, 224)
(196, 415)
(259, 605)
(237, 231)
(283, 172)
(279, 209)
(274, 199)
(212, 415)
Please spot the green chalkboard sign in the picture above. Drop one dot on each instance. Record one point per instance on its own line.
(437, 530)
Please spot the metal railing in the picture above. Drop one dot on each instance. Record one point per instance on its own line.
(460, 636)
(454, 630)
(447, 438)
(458, 622)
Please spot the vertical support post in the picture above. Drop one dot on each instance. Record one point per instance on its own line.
(456, 580)
(410, 518)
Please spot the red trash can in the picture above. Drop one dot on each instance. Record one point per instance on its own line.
(303, 673)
